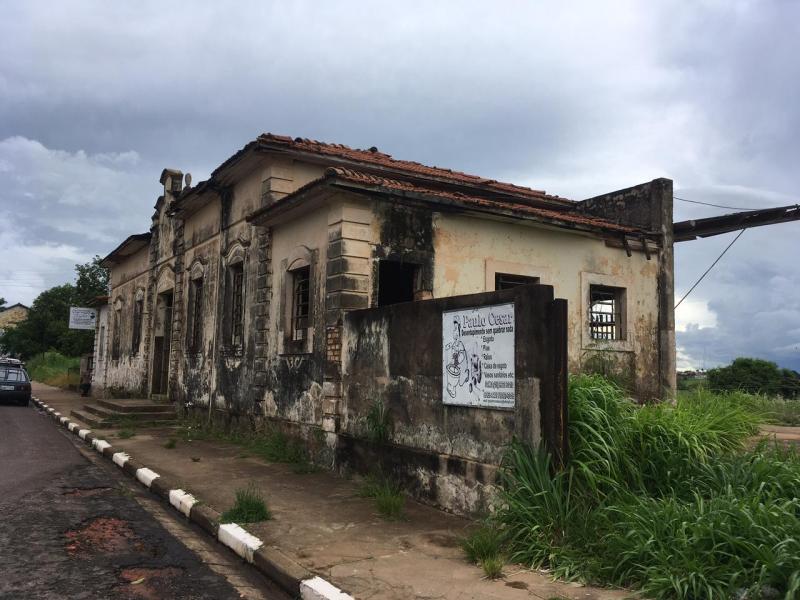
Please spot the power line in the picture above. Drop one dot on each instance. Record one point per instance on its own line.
(716, 205)
(709, 268)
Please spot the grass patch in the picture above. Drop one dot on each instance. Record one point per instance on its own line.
(126, 433)
(53, 368)
(170, 444)
(249, 507)
(484, 542)
(389, 498)
(493, 567)
(271, 445)
(665, 499)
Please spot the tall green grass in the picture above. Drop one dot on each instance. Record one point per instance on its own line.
(666, 499)
(53, 368)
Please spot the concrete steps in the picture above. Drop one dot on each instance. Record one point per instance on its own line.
(106, 414)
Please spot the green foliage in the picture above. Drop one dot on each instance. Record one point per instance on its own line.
(389, 497)
(271, 444)
(46, 327)
(53, 368)
(755, 376)
(126, 433)
(379, 423)
(493, 567)
(170, 444)
(667, 499)
(249, 507)
(482, 543)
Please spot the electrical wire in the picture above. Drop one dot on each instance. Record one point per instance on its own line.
(718, 205)
(709, 268)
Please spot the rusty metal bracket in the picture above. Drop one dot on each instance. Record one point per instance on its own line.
(645, 247)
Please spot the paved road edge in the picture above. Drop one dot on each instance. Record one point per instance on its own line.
(290, 576)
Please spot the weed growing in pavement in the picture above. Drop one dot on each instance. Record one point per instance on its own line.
(126, 434)
(272, 444)
(482, 543)
(379, 423)
(249, 507)
(389, 497)
(493, 567)
(170, 444)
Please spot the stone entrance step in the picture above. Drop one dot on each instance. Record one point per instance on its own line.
(125, 413)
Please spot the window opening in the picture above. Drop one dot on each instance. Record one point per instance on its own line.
(237, 309)
(138, 308)
(115, 337)
(504, 281)
(605, 312)
(301, 303)
(197, 315)
(396, 282)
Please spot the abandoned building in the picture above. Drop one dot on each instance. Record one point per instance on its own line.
(303, 282)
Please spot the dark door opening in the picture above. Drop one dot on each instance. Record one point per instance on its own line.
(161, 343)
(505, 281)
(395, 282)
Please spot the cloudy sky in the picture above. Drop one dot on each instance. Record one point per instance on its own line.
(579, 98)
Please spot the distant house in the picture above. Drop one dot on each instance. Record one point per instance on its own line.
(10, 316)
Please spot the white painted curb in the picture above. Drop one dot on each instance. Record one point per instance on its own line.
(319, 589)
(83, 433)
(146, 476)
(182, 501)
(72, 426)
(120, 458)
(239, 540)
(100, 445)
(64, 420)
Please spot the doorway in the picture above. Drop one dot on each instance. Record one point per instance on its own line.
(162, 335)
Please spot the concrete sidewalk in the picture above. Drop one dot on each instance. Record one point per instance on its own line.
(320, 523)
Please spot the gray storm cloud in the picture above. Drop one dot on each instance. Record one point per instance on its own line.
(578, 98)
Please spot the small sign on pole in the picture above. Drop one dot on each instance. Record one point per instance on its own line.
(82, 318)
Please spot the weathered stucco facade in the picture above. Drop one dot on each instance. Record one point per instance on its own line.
(238, 300)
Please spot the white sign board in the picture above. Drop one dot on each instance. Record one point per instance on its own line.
(478, 356)
(82, 318)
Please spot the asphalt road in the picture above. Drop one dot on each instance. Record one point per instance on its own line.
(72, 528)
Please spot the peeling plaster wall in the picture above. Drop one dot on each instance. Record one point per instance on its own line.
(128, 373)
(469, 251)
(446, 455)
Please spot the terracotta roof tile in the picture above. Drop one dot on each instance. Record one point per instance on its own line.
(339, 175)
(373, 157)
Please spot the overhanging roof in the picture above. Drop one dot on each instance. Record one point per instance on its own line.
(130, 246)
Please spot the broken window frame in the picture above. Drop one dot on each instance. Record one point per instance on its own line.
(301, 303)
(606, 313)
(504, 281)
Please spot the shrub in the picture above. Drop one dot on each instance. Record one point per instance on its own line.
(379, 423)
(484, 542)
(664, 498)
(53, 368)
(249, 507)
(389, 498)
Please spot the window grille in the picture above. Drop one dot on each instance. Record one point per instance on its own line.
(301, 303)
(138, 308)
(605, 313)
(116, 334)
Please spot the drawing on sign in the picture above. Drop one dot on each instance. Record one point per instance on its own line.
(478, 356)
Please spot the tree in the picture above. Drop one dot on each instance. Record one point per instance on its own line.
(92, 281)
(47, 325)
(755, 376)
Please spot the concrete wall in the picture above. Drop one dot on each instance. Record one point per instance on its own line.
(469, 251)
(447, 455)
(100, 354)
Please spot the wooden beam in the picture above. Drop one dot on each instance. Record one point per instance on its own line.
(700, 228)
